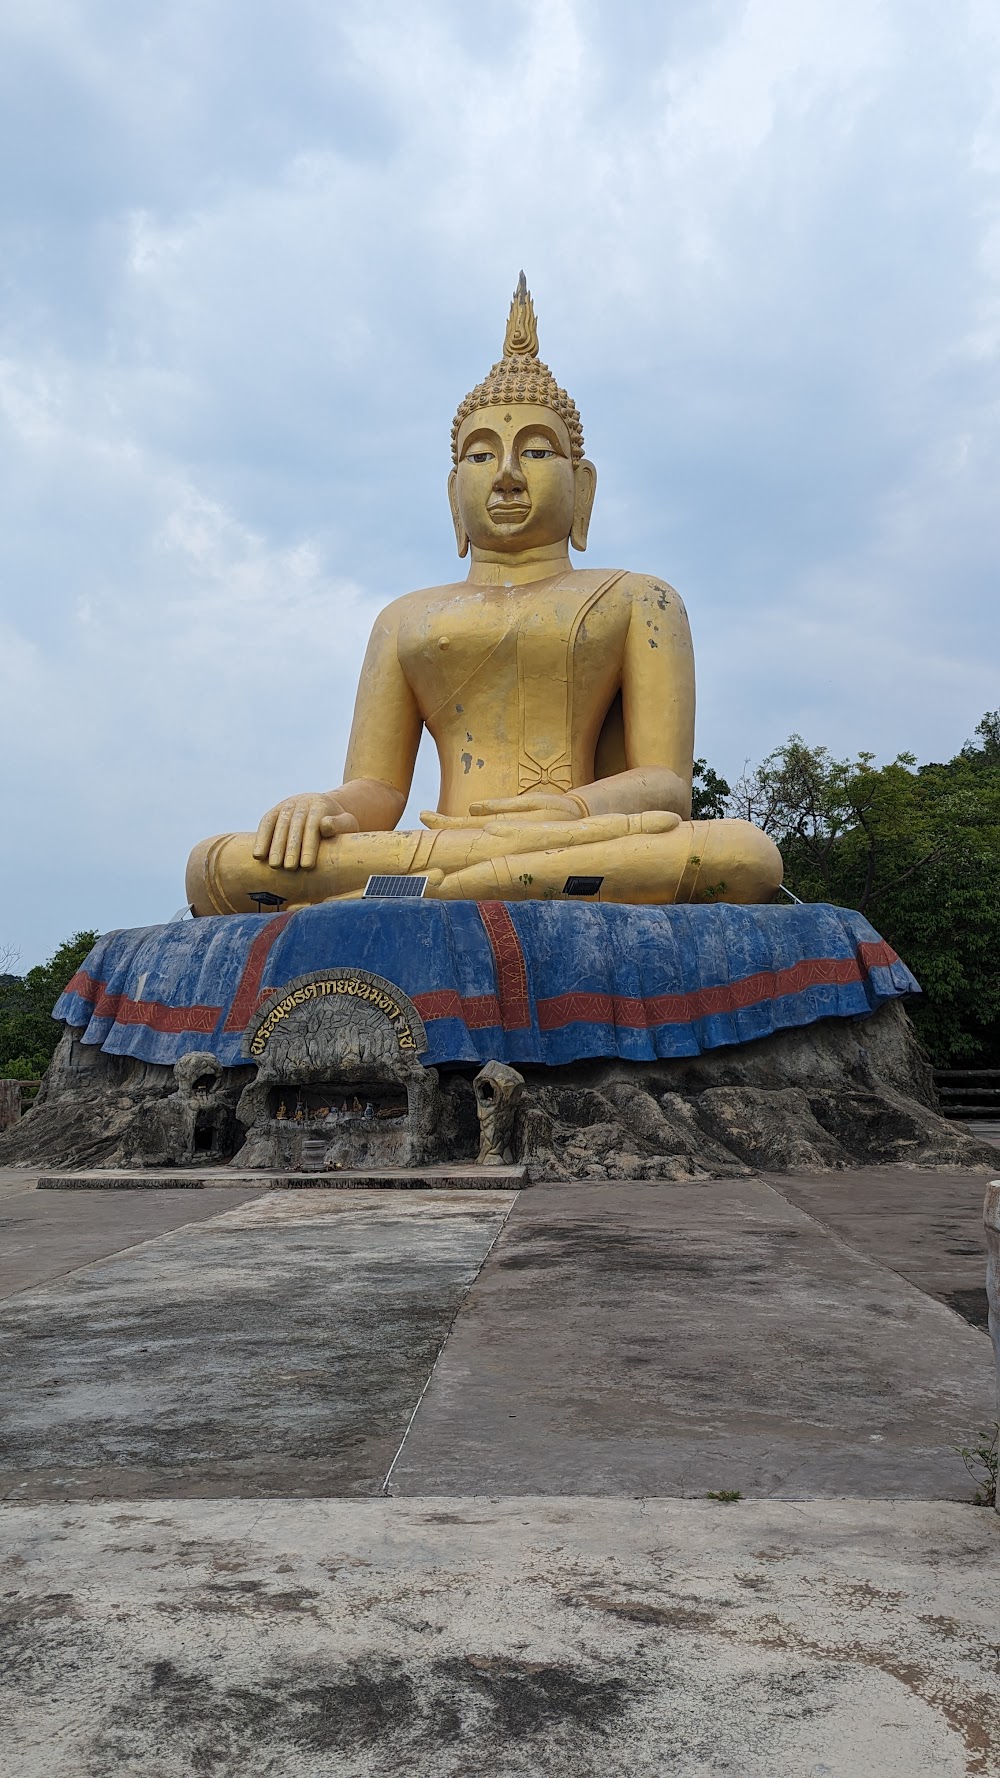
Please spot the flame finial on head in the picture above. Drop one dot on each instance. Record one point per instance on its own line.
(521, 338)
(520, 376)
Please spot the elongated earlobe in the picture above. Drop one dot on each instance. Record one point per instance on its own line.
(585, 477)
(461, 534)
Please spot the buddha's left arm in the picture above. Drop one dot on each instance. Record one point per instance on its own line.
(658, 710)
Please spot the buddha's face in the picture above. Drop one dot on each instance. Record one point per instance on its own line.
(516, 487)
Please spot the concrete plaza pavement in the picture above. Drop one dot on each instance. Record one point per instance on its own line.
(334, 1481)
(571, 1637)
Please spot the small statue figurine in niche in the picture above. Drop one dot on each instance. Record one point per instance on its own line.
(282, 1111)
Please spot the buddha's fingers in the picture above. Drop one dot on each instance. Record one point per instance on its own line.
(431, 818)
(553, 805)
(554, 835)
(520, 816)
(324, 827)
(297, 830)
(264, 835)
(310, 843)
(276, 856)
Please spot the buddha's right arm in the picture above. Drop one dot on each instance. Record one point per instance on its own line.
(381, 754)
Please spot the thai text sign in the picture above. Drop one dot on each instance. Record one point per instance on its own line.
(354, 987)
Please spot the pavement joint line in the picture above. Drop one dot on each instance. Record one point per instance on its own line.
(101, 1259)
(384, 1490)
(835, 1234)
(12, 1188)
(201, 1222)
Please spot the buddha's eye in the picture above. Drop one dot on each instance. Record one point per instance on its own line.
(538, 455)
(479, 456)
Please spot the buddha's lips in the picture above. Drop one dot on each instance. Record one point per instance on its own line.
(510, 511)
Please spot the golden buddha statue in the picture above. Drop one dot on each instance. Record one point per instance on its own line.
(560, 699)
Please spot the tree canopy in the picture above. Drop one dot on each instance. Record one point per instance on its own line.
(916, 849)
(709, 793)
(28, 1032)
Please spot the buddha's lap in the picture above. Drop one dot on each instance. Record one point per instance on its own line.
(702, 860)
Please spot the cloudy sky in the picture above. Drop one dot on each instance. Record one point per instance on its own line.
(253, 254)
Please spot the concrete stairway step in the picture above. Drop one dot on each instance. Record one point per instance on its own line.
(454, 1178)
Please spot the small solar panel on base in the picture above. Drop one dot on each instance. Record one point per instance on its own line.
(265, 899)
(396, 888)
(582, 885)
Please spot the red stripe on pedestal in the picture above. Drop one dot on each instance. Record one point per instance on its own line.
(87, 986)
(702, 1003)
(247, 995)
(478, 1011)
(124, 1011)
(511, 971)
(157, 1017)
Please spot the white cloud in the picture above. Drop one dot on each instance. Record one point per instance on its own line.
(251, 262)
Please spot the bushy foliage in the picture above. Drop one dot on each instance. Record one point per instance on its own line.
(28, 1032)
(709, 793)
(916, 849)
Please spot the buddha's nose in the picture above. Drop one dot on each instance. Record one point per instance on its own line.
(509, 477)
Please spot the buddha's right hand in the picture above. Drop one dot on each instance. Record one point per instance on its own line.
(289, 834)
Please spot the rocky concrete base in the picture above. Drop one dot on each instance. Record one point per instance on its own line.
(839, 1093)
(94, 1109)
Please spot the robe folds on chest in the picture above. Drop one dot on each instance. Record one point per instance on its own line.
(516, 682)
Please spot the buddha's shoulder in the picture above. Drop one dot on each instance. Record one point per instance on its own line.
(623, 582)
(422, 599)
(643, 588)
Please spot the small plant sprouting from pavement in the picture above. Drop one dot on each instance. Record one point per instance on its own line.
(726, 1494)
(982, 1460)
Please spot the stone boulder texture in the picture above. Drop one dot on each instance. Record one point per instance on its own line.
(838, 1093)
(97, 1110)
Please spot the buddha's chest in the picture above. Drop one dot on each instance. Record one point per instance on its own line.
(498, 646)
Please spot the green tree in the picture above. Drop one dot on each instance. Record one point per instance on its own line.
(916, 849)
(988, 752)
(28, 1032)
(709, 793)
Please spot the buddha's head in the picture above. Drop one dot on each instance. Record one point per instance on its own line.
(520, 479)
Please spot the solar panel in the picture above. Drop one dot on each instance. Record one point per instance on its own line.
(582, 885)
(397, 888)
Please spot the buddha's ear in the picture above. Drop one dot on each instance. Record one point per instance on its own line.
(585, 484)
(461, 534)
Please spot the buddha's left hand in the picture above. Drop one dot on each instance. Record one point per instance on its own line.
(550, 803)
